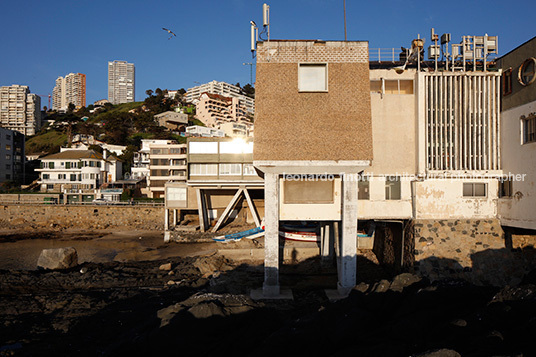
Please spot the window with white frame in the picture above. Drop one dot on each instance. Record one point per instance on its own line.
(474, 189)
(176, 193)
(313, 77)
(529, 130)
(392, 188)
(231, 169)
(203, 169)
(249, 170)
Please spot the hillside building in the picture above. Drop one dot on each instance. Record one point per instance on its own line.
(223, 89)
(20, 110)
(73, 171)
(69, 89)
(12, 156)
(121, 82)
(225, 113)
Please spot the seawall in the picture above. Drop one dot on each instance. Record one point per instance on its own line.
(35, 216)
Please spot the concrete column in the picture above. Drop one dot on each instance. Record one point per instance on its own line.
(201, 209)
(327, 242)
(166, 219)
(348, 256)
(174, 217)
(271, 236)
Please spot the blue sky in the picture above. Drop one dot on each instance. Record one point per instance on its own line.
(42, 40)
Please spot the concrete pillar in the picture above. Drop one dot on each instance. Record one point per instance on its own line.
(174, 217)
(348, 256)
(201, 209)
(327, 242)
(166, 219)
(271, 236)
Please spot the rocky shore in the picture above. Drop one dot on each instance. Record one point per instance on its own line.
(201, 306)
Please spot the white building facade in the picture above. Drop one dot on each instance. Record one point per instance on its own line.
(167, 163)
(77, 170)
(69, 89)
(121, 82)
(223, 89)
(19, 109)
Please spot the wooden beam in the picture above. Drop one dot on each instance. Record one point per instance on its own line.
(252, 208)
(227, 210)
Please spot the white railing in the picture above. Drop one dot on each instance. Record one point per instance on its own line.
(385, 54)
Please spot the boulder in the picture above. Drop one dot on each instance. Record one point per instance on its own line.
(58, 258)
(402, 281)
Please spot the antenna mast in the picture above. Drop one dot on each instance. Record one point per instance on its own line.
(344, 5)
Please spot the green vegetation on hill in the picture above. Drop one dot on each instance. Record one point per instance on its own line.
(49, 141)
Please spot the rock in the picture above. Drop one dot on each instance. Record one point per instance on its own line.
(440, 353)
(402, 281)
(166, 314)
(211, 264)
(381, 286)
(362, 287)
(166, 267)
(459, 322)
(58, 258)
(206, 309)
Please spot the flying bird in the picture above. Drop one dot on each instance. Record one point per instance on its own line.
(171, 33)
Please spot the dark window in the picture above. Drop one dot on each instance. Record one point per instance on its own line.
(529, 130)
(474, 189)
(505, 188)
(363, 188)
(507, 81)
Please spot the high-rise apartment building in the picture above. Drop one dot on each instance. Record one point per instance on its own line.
(121, 82)
(69, 89)
(19, 109)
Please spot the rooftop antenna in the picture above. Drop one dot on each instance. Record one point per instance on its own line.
(344, 5)
(254, 37)
(433, 50)
(266, 19)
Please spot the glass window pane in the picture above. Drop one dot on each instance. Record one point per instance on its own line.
(468, 189)
(480, 189)
(391, 87)
(406, 87)
(376, 86)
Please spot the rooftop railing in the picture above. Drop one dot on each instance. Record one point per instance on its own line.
(385, 54)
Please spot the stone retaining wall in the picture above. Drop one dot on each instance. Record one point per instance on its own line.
(81, 217)
(473, 250)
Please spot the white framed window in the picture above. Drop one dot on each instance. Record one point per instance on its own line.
(203, 147)
(176, 193)
(392, 188)
(203, 169)
(249, 170)
(529, 130)
(312, 77)
(231, 169)
(474, 189)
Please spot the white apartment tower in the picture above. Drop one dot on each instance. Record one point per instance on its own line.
(69, 89)
(19, 109)
(121, 82)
